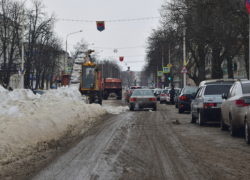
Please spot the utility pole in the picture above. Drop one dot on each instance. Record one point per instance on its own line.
(184, 56)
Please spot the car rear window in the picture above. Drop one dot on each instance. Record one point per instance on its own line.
(135, 87)
(246, 88)
(142, 93)
(190, 90)
(217, 89)
(164, 91)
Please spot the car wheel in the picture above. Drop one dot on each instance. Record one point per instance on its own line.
(247, 132)
(233, 129)
(154, 108)
(223, 126)
(131, 109)
(193, 119)
(201, 119)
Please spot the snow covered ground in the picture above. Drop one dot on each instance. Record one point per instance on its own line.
(28, 121)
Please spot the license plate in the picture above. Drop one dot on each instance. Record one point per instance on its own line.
(219, 105)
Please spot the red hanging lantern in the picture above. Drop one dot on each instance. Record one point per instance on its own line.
(121, 58)
(131, 72)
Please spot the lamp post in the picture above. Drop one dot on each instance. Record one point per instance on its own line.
(66, 53)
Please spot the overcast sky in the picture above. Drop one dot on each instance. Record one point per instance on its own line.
(116, 34)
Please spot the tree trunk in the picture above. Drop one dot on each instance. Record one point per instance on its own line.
(217, 72)
(230, 68)
(246, 45)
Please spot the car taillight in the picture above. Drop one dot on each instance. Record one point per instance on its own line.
(132, 99)
(240, 103)
(184, 98)
(162, 94)
(168, 94)
(151, 99)
(209, 105)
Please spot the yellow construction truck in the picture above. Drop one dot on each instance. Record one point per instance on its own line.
(90, 84)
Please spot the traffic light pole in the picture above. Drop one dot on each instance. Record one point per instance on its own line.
(184, 56)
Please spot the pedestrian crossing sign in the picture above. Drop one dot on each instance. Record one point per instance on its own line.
(166, 69)
(160, 73)
(184, 69)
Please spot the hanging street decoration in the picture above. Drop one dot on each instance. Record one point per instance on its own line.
(159, 73)
(248, 5)
(100, 25)
(121, 58)
(166, 69)
(131, 72)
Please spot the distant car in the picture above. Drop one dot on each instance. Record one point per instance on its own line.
(234, 108)
(247, 120)
(142, 98)
(135, 87)
(206, 105)
(217, 81)
(184, 99)
(157, 93)
(39, 92)
(163, 96)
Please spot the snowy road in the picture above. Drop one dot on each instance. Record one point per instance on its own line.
(148, 145)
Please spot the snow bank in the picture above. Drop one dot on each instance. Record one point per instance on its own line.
(116, 110)
(28, 120)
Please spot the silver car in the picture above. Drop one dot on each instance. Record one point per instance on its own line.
(143, 98)
(234, 108)
(207, 102)
(163, 96)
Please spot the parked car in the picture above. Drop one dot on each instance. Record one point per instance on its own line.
(207, 103)
(39, 92)
(128, 95)
(163, 96)
(184, 99)
(168, 94)
(143, 98)
(176, 97)
(217, 81)
(157, 93)
(234, 108)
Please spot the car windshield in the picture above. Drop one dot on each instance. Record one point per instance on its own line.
(217, 89)
(142, 93)
(246, 88)
(190, 90)
(164, 91)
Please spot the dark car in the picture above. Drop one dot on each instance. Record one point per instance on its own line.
(185, 97)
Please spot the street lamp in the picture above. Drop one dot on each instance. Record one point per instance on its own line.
(66, 54)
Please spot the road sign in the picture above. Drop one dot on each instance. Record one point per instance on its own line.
(160, 73)
(184, 69)
(169, 65)
(166, 69)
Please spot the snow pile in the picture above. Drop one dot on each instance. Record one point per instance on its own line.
(27, 121)
(116, 110)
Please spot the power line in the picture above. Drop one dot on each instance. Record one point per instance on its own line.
(136, 19)
(118, 48)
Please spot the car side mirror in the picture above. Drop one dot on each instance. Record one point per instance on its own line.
(247, 101)
(224, 96)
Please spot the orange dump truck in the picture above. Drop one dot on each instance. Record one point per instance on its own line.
(111, 85)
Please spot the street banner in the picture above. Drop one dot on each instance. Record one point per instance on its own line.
(166, 69)
(100, 25)
(159, 73)
(248, 5)
(184, 69)
(121, 58)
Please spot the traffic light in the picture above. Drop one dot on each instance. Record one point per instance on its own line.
(152, 82)
(169, 78)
